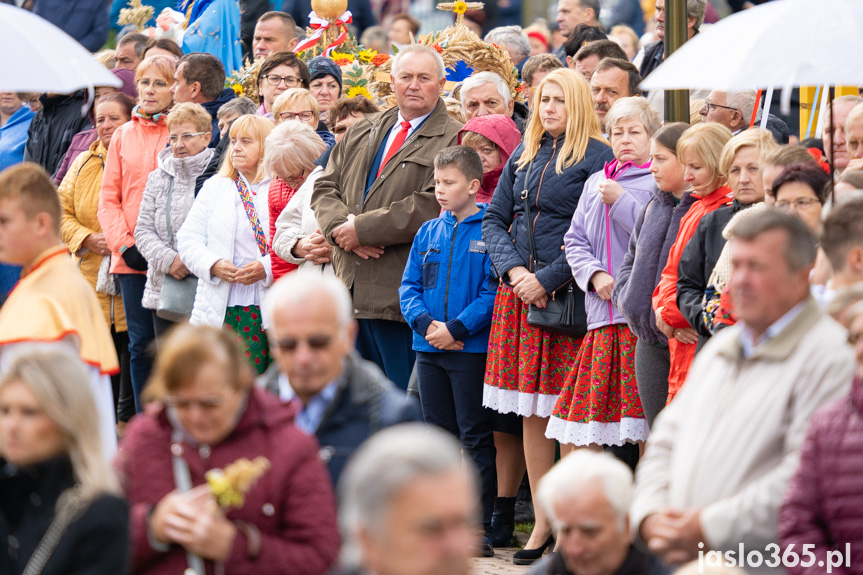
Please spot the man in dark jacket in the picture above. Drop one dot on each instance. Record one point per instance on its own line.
(342, 399)
(87, 21)
(53, 127)
(199, 79)
(375, 193)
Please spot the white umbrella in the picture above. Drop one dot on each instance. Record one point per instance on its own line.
(36, 56)
(785, 43)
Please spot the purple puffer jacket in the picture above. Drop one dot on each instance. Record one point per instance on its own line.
(823, 507)
(598, 237)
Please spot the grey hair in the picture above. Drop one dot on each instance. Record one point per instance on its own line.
(744, 101)
(237, 107)
(59, 381)
(419, 49)
(802, 245)
(483, 78)
(696, 9)
(580, 468)
(633, 107)
(297, 287)
(512, 37)
(291, 146)
(384, 465)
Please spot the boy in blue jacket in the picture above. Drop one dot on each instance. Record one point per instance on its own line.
(447, 296)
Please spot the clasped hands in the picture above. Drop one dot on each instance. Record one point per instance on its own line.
(247, 274)
(313, 248)
(194, 521)
(439, 336)
(527, 287)
(673, 535)
(346, 238)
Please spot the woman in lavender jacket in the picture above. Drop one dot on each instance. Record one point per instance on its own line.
(599, 404)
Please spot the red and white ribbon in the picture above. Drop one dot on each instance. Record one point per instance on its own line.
(319, 25)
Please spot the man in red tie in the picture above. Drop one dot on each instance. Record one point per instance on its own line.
(375, 193)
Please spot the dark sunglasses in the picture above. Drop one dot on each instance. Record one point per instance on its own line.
(316, 342)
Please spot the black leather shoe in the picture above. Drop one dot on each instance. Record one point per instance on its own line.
(503, 521)
(528, 556)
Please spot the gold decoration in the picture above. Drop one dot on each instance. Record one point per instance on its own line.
(460, 7)
(329, 9)
(137, 14)
(457, 43)
(229, 486)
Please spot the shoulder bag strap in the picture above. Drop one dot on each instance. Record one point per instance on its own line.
(528, 222)
(168, 214)
(68, 510)
(183, 481)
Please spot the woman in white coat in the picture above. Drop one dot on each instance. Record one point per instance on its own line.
(292, 149)
(224, 242)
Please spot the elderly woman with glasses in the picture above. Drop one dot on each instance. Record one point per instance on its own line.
(168, 198)
(281, 71)
(207, 415)
(133, 154)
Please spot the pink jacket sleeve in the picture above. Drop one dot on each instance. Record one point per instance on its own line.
(110, 214)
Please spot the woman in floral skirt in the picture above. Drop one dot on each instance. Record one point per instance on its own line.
(599, 404)
(562, 147)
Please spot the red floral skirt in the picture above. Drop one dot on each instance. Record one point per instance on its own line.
(526, 367)
(599, 403)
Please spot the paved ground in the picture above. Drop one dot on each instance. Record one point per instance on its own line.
(501, 563)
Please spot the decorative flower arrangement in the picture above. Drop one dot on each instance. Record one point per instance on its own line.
(244, 82)
(342, 58)
(355, 82)
(380, 59)
(459, 7)
(230, 485)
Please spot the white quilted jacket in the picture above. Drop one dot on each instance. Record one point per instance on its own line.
(207, 236)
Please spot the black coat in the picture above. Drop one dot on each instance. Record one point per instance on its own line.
(552, 205)
(97, 543)
(697, 263)
(212, 108)
(53, 128)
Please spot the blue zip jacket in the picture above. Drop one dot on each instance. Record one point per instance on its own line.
(448, 278)
(13, 137)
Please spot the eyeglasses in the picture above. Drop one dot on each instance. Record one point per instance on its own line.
(712, 105)
(275, 80)
(316, 342)
(798, 204)
(303, 116)
(159, 84)
(185, 138)
(205, 403)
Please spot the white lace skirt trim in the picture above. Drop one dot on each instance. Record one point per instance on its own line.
(627, 430)
(512, 401)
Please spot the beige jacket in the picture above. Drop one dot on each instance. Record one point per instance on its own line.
(397, 204)
(729, 442)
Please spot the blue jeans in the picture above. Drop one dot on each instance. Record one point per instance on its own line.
(450, 385)
(139, 322)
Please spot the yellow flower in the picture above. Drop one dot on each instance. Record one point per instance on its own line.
(238, 89)
(367, 55)
(359, 91)
(459, 7)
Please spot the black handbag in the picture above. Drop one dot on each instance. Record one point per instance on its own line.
(564, 312)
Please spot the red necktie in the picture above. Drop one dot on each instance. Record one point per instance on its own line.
(397, 143)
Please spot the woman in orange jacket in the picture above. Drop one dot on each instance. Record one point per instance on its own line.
(698, 149)
(132, 156)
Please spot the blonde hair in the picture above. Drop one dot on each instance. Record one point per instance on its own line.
(296, 96)
(164, 67)
(292, 145)
(757, 138)
(250, 126)
(185, 350)
(61, 384)
(454, 109)
(705, 141)
(582, 125)
(694, 114)
(193, 113)
(106, 58)
(474, 140)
